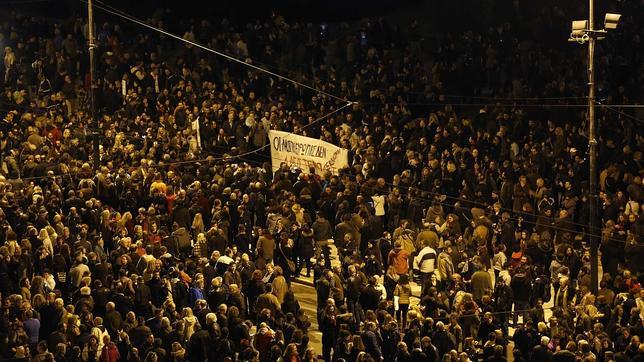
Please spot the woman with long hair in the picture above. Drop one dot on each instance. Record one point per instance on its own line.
(357, 348)
(44, 238)
(391, 281)
(402, 294)
(126, 222)
(310, 356)
(279, 284)
(106, 220)
(290, 354)
(25, 286)
(37, 286)
(469, 315)
(178, 353)
(190, 322)
(197, 225)
(290, 304)
(124, 263)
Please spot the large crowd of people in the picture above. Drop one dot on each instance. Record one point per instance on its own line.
(184, 244)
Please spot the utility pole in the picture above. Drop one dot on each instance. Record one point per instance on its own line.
(592, 157)
(584, 31)
(92, 81)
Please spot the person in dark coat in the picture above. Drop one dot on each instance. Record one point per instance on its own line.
(521, 292)
(284, 255)
(304, 249)
(216, 239)
(199, 344)
(290, 304)
(181, 210)
(218, 294)
(541, 352)
(503, 297)
(372, 341)
(370, 296)
(567, 354)
(113, 319)
(417, 353)
(57, 337)
(142, 298)
(441, 339)
(322, 232)
(329, 330)
(634, 254)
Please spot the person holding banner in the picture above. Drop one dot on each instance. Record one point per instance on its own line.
(304, 153)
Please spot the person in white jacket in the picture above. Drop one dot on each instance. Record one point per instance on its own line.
(425, 263)
(380, 286)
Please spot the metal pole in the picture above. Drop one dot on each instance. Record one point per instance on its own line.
(92, 82)
(592, 149)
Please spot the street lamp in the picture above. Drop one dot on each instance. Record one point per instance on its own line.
(583, 31)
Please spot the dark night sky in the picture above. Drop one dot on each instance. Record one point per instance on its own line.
(457, 15)
(243, 10)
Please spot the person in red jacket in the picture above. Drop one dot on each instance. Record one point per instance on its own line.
(109, 353)
(399, 259)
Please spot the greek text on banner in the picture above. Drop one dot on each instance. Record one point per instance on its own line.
(305, 152)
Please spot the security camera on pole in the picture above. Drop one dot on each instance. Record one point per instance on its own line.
(583, 31)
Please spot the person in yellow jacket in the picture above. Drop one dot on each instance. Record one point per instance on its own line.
(445, 264)
(402, 294)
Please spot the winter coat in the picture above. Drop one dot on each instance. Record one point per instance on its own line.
(181, 214)
(426, 260)
(503, 297)
(407, 242)
(634, 254)
(520, 288)
(110, 353)
(305, 247)
(481, 284)
(342, 229)
(445, 266)
(399, 259)
(266, 246)
(521, 195)
(427, 236)
(280, 288)
(322, 230)
(182, 239)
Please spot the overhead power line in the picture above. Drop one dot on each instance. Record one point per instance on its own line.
(123, 15)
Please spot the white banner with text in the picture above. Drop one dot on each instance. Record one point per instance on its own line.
(305, 152)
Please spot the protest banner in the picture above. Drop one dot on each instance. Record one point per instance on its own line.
(305, 152)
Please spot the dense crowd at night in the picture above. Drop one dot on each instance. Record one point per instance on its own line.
(461, 225)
